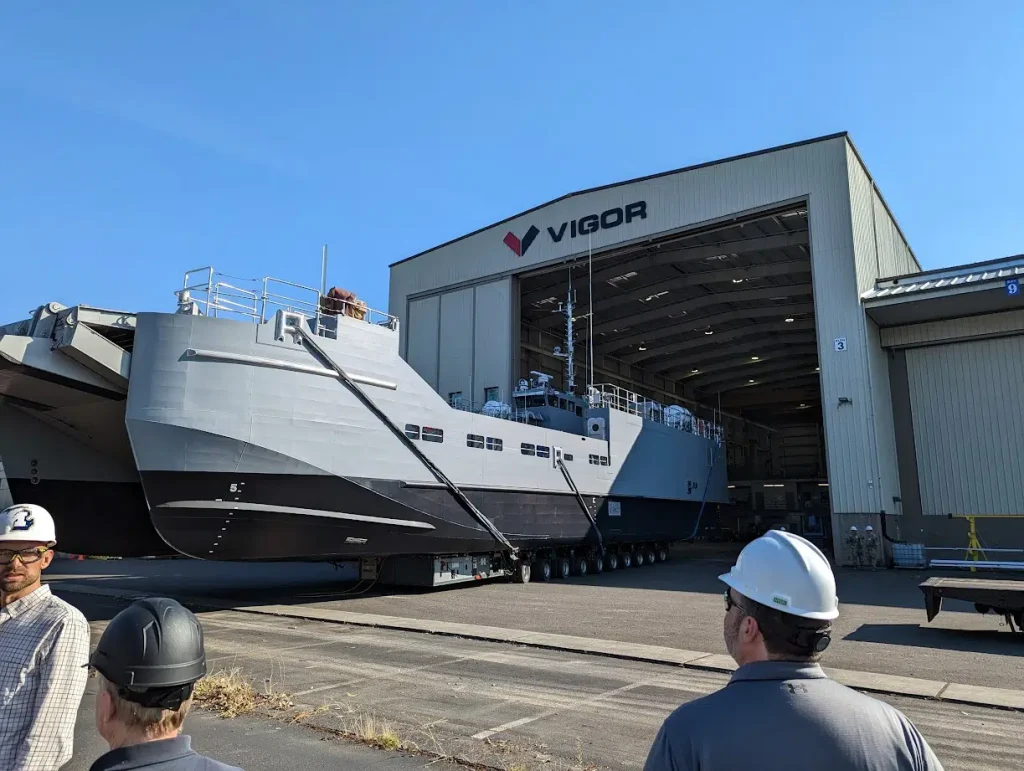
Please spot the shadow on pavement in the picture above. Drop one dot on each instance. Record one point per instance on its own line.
(998, 640)
(301, 583)
(94, 608)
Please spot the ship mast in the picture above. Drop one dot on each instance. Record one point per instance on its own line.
(566, 309)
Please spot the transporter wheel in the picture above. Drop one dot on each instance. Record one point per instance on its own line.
(651, 557)
(662, 554)
(523, 572)
(580, 566)
(543, 570)
(626, 559)
(613, 560)
(564, 568)
(638, 558)
(597, 564)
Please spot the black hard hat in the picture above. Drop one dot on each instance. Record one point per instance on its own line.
(153, 652)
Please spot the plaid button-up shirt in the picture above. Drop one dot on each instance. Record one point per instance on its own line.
(44, 643)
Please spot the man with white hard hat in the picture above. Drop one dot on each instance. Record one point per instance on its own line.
(780, 710)
(43, 642)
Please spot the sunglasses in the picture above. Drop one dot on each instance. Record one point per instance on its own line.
(27, 556)
(730, 603)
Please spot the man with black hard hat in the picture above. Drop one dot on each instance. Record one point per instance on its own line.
(148, 660)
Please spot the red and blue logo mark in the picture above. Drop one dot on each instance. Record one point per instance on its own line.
(591, 223)
(519, 246)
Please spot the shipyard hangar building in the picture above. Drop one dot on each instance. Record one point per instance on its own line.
(775, 294)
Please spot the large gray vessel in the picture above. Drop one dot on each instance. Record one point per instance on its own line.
(268, 421)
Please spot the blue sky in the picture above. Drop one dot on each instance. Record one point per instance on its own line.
(141, 139)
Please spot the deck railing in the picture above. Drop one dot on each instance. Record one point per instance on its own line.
(508, 413)
(220, 295)
(624, 400)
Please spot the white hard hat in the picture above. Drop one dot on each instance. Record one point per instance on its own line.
(788, 573)
(27, 522)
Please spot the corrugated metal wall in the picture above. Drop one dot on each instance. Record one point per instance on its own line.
(458, 341)
(948, 330)
(455, 354)
(421, 328)
(879, 251)
(969, 426)
(494, 341)
(844, 257)
(894, 255)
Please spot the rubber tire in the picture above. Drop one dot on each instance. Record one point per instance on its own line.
(662, 554)
(597, 565)
(638, 558)
(651, 557)
(524, 571)
(581, 566)
(544, 570)
(613, 561)
(627, 559)
(564, 568)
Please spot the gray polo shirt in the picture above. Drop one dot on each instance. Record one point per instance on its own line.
(792, 717)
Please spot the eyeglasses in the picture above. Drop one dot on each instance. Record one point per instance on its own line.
(730, 603)
(27, 556)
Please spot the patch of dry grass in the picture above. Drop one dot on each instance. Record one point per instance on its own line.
(230, 694)
(376, 732)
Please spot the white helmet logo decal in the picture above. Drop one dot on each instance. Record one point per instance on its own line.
(22, 520)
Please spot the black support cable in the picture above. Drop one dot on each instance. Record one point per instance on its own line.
(460, 496)
(704, 497)
(583, 503)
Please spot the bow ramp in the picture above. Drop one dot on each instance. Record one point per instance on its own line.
(63, 384)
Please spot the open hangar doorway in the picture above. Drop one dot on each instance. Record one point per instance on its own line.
(719, 320)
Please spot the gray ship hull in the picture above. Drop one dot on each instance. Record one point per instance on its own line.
(249, 448)
(287, 517)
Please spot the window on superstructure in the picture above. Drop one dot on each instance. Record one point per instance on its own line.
(411, 431)
(543, 452)
(475, 440)
(567, 456)
(491, 394)
(561, 404)
(433, 434)
(604, 460)
(594, 460)
(534, 401)
(493, 443)
(579, 411)
(527, 449)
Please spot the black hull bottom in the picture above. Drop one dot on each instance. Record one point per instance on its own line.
(109, 519)
(223, 516)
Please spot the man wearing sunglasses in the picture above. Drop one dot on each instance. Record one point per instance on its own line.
(43, 641)
(780, 710)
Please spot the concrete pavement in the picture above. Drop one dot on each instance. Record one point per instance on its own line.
(502, 705)
(986, 696)
(676, 605)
